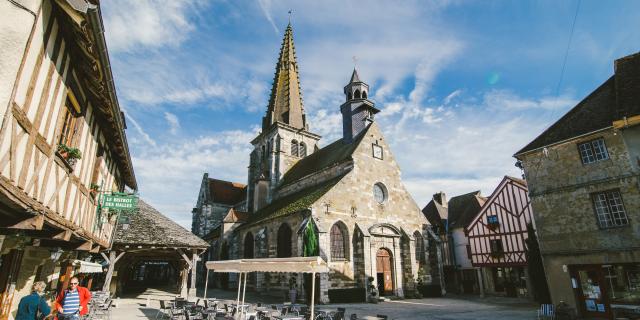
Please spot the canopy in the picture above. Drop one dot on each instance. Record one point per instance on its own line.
(292, 265)
(311, 265)
(88, 267)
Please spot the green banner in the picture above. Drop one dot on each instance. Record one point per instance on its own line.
(119, 201)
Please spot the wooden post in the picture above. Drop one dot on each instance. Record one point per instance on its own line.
(194, 272)
(111, 259)
(184, 292)
(480, 282)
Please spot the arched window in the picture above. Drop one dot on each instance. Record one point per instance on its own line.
(364, 94)
(268, 148)
(294, 148)
(303, 150)
(356, 95)
(419, 247)
(262, 243)
(338, 242)
(264, 152)
(284, 241)
(248, 246)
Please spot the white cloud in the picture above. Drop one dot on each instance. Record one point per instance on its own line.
(507, 100)
(145, 137)
(265, 5)
(147, 23)
(173, 121)
(170, 173)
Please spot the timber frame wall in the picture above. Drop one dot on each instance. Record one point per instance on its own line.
(511, 205)
(62, 67)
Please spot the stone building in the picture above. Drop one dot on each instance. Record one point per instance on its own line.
(62, 141)
(449, 218)
(344, 201)
(583, 174)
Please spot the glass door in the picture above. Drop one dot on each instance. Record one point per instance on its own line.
(590, 288)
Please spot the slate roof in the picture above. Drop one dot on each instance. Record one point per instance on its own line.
(435, 211)
(459, 211)
(334, 153)
(226, 192)
(617, 97)
(292, 203)
(148, 226)
(463, 208)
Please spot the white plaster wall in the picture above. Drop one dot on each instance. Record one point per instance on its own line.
(460, 242)
(16, 24)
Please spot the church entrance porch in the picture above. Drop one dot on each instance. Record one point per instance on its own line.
(384, 273)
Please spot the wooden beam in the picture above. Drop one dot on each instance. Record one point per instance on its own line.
(85, 246)
(184, 256)
(31, 223)
(95, 249)
(64, 235)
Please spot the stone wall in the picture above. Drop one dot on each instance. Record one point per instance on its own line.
(561, 188)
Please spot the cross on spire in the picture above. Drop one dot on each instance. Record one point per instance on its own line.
(290, 12)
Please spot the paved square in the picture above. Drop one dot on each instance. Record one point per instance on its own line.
(463, 307)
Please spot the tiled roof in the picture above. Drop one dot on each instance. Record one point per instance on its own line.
(235, 216)
(616, 98)
(292, 203)
(435, 212)
(334, 153)
(147, 226)
(226, 192)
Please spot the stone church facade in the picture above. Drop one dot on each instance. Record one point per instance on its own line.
(347, 197)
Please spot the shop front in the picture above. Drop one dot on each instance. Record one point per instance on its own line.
(607, 291)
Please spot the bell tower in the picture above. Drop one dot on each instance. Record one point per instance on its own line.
(285, 137)
(358, 111)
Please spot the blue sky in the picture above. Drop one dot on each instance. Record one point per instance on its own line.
(462, 84)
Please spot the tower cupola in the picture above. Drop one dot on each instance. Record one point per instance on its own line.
(357, 111)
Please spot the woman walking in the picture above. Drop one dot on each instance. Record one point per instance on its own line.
(34, 306)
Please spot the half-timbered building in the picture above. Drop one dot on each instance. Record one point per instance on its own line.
(497, 239)
(62, 140)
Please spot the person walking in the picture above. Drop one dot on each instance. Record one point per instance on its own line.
(73, 302)
(34, 306)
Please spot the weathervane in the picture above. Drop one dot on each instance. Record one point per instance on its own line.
(290, 11)
(355, 61)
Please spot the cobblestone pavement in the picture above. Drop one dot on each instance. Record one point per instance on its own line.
(456, 307)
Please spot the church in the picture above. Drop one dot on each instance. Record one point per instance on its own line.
(344, 202)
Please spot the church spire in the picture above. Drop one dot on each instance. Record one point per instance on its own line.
(285, 102)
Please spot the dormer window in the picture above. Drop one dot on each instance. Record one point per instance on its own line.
(593, 151)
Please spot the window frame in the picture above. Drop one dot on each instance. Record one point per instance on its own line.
(608, 199)
(592, 148)
(336, 246)
(70, 125)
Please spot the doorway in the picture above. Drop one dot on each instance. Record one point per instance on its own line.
(591, 291)
(384, 272)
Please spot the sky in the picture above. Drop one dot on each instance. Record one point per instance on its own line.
(462, 85)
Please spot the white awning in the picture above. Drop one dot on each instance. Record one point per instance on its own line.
(290, 265)
(87, 267)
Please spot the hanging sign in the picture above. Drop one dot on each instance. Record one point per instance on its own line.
(119, 201)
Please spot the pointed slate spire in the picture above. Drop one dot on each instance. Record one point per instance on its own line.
(285, 102)
(354, 76)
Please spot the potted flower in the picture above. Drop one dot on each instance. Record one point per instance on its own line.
(70, 154)
(293, 293)
(93, 189)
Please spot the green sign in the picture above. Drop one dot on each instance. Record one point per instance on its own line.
(119, 201)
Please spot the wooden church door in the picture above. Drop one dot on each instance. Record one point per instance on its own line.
(384, 272)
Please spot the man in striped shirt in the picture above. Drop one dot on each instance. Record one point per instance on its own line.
(72, 303)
